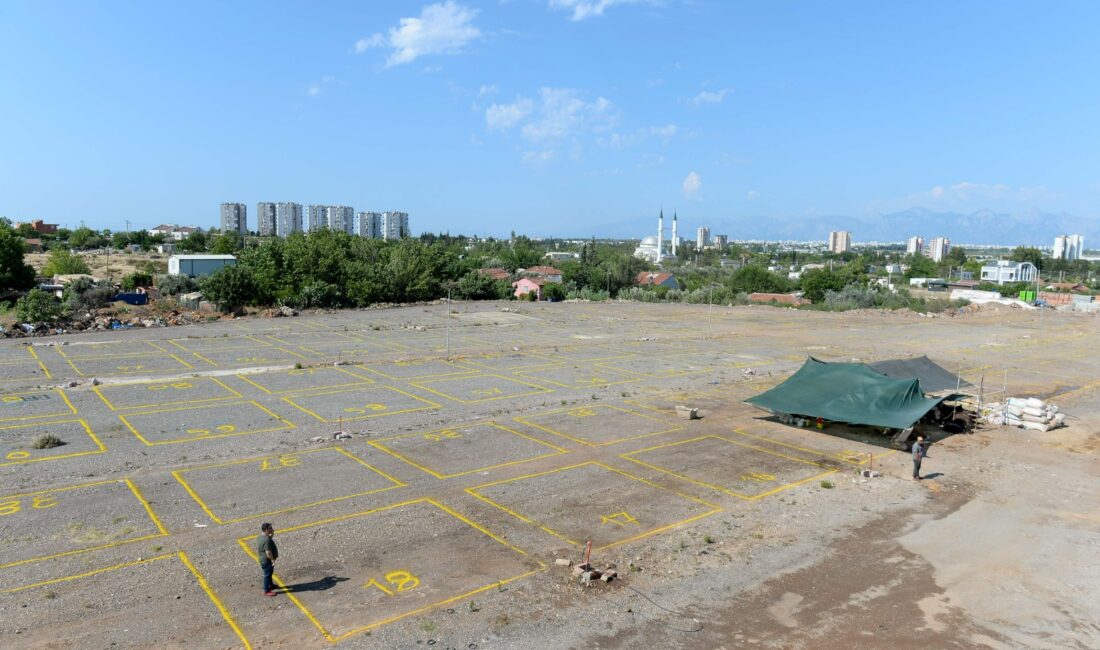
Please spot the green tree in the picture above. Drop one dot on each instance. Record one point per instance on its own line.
(193, 243)
(816, 282)
(230, 287)
(84, 238)
(14, 272)
(920, 266)
(754, 279)
(1028, 254)
(227, 244)
(135, 280)
(64, 262)
(478, 286)
(37, 306)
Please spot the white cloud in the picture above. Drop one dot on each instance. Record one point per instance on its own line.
(441, 28)
(372, 41)
(587, 8)
(505, 116)
(486, 90)
(691, 186)
(709, 97)
(558, 114)
(536, 158)
(317, 87)
(620, 140)
(752, 195)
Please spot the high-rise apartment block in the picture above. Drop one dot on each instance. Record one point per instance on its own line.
(702, 237)
(266, 219)
(316, 218)
(235, 218)
(721, 241)
(395, 225)
(914, 246)
(939, 248)
(288, 218)
(840, 241)
(1068, 247)
(369, 224)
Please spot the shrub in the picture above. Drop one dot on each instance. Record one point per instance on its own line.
(317, 294)
(828, 485)
(37, 306)
(135, 280)
(63, 262)
(173, 285)
(588, 293)
(84, 294)
(554, 292)
(230, 287)
(46, 441)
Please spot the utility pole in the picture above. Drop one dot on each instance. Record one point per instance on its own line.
(127, 226)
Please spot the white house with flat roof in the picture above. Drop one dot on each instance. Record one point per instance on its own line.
(1003, 271)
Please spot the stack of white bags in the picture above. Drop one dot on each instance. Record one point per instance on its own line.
(1026, 412)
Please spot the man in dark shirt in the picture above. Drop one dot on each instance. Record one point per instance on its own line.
(268, 552)
(919, 451)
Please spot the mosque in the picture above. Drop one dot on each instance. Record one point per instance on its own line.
(653, 248)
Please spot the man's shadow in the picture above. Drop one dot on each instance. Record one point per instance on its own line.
(932, 475)
(328, 582)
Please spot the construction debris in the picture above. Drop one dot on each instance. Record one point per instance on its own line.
(687, 413)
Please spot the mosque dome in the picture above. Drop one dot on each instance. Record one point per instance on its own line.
(649, 241)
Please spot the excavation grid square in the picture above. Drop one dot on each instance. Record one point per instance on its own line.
(146, 364)
(256, 487)
(78, 351)
(508, 361)
(418, 369)
(305, 379)
(655, 366)
(593, 502)
(587, 376)
(203, 423)
(73, 519)
(595, 352)
(446, 453)
(195, 390)
(359, 404)
(79, 613)
(480, 388)
(731, 467)
(598, 424)
(824, 450)
(16, 442)
(371, 580)
(220, 343)
(341, 350)
(34, 405)
(249, 358)
(29, 371)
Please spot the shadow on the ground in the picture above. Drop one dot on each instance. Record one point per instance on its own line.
(328, 582)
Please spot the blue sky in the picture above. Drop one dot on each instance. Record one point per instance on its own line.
(559, 117)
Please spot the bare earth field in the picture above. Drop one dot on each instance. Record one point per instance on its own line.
(486, 444)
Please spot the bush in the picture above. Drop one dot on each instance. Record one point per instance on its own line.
(553, 292)
(135, 280)
(319, 294)
(14, 272)
(588, 293)
(230, 287)
(173, 285)
(83, 294)
(46, 441)
(478, 286)
(37, 306)
(63, 262)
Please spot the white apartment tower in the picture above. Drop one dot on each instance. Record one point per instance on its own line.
(288, 218)
(938, 249)
(341, 218)
(914, 246)
(235, 218)
(702, 237)
(369, 224)
(840, 241)
(266, 218)
(1068, 247)
(395, 225)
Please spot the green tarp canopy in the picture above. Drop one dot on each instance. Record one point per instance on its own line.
(848, 392)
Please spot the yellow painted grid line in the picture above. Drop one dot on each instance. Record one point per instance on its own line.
(30, 348)
(133, 429)
(361, 380)
(204, 359)
(720, 488)
(178, 474)
(214, 598)
(528, 355)
(523, 419)
(244, 543)
(234, 394)
(352, 417)
(533, 375)
(64, 398)
(841, 456)
(540, 389)
(100, 448)
(473, 492)
(378, 445)
(133, 488)
(458, 370)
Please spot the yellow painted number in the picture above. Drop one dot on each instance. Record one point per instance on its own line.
(251, 359)
(759, 477)
(367, 408)
(397, 582)
(581, 413)
(179, 385)
(619, 519)
(18, 455)
(129, 368)
(13, 506)
(279, 463)
(302, 371)
(448, 434)
(224, 428)
(487, 392)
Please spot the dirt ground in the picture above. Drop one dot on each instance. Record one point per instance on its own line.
(113, 266)
(480, 444)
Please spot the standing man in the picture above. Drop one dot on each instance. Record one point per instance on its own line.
(919, 450)
(268, 552)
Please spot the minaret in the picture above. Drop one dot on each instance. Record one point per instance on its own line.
(660, 236)
(674, 233)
